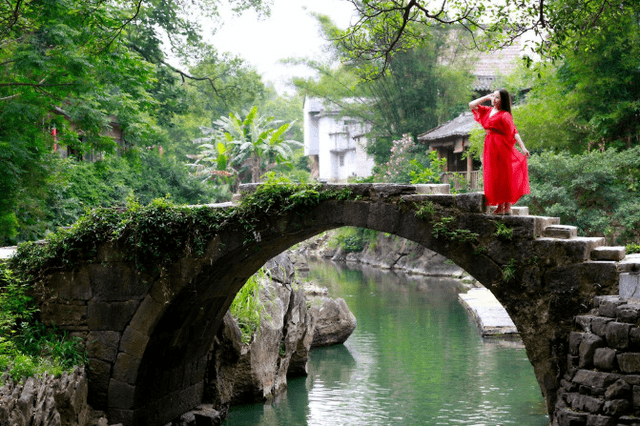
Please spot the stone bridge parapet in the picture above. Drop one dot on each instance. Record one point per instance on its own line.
(149, 330)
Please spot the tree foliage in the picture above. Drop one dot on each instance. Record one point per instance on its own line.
(387, 26)
(244, 147)
(421, 88)
(80, 66)
(598, 191)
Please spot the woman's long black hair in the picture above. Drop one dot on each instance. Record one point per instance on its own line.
(505, 100)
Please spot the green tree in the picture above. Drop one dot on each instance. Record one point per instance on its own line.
(388, 26)
(246, 147)
(78, 65)
(420, 89)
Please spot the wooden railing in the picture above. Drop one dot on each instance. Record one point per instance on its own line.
(463, 180)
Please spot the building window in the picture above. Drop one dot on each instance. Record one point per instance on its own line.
(341, 160)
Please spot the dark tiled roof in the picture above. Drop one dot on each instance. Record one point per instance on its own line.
(491, 65)
(459, 126)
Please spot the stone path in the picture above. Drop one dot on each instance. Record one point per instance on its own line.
(489, 314)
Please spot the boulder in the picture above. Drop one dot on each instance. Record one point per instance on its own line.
(333, 320)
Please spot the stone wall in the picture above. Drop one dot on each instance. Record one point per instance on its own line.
(602, 383)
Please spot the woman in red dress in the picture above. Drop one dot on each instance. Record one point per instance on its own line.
(505, 173)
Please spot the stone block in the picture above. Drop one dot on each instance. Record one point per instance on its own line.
(608, 253)
(98, 374)
(594, 379)
(133, 342)
(587, 403)
(605, 359)
(598, 420)
(434, 188)
(636, 397)
(629, 285)
(575, 338)
(471, 202)
(121, 395)
(590, 342)
(149, 312)
(616, 407)
(619, 390)
(629, 362)
(561, 231)
(126, 368)
(634, 338)
(70, 285)
(116, 281)
(386, 190)
(629, 313)
(568, 417)
(103, 345)
(617, 335)
(72, 316)
(607, 305)
(112, 316)
(599, 324)
(584, 321)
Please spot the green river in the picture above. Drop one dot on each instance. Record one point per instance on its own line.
(415, 358)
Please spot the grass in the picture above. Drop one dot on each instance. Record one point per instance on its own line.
(247, 308)
(27, 347)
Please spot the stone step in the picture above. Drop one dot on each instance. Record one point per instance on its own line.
(631, 263)
(608, 253)
(515, 210)
(561, 231)
(577, 249)
(433, 188)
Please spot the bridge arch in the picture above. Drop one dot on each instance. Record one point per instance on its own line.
(163, 323)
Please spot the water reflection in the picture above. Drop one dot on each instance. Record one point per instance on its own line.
(416, 358)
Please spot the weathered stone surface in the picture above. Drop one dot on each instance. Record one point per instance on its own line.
(628, 313)
(584, 322)
(607, 305)
(103, 345)
(334, 322)
(575, 338)
(46, 401)
(594, 379)
(590, 342)
(567, 417)
(598, 420)
(616, 407)
(608, 253)
(605, 359)
(599, 325)
(634, 338)
(619, 390)
(110, 316)
(587, 403)
(617, 335)
(629, 285)
(629, 362)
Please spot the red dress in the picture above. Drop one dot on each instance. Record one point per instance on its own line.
(504, 168)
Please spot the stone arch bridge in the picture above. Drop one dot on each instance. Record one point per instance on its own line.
(150, 333)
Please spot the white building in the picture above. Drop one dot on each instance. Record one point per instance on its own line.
(335, 144)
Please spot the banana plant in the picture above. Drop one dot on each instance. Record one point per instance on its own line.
(247, 147)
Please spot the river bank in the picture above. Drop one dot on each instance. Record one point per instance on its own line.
(390, 252)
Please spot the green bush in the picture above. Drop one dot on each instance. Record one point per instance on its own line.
(599, 192)
(247, 308)
(27, 347)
